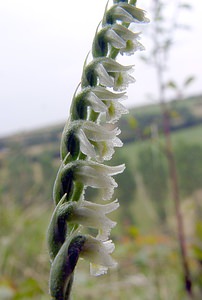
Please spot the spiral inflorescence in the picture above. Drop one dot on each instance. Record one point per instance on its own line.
(85, 144)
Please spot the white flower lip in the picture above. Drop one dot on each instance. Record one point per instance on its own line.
(98, 253)
(91, 215)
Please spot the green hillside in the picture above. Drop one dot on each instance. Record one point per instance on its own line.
(134, 126)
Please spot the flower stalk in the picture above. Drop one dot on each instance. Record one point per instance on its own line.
(86, 144)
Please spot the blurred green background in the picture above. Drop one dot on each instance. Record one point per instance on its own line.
(147, 249)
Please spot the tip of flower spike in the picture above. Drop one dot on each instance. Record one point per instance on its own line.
(125, 12)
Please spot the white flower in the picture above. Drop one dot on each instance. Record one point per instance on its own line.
(119, 37)
(103, 101)
(128, 41)
(125, 13)
(102, 210)
(88, 173)
(92, 139)
(98, 253)
(102, 71)
(98, 176)
(111, 100)
(90, 215)
(101, 146)
(97, 141)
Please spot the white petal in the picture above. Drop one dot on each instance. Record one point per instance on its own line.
(117, 142)
(124, 32)
(137, 14)
(108, 170)
(109, 246)
(113, 66)
(98, 133)
(115, 40)
(94, 215)
(92, 177)
(96, 103)
(104, 94)
(123, 15)
(104, 78)
(85, 146)
(93, 219)
(97, 176)
(105, 208)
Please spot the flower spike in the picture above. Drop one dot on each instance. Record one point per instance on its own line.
(86, 143)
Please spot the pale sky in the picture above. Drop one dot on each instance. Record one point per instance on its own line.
(43, 44)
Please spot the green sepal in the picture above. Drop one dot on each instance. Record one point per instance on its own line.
(89, 76)
(60, 226)
(100, 44)
(79, 108)
(69, 144)
(57, 230)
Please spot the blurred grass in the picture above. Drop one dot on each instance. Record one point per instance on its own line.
(25, 267)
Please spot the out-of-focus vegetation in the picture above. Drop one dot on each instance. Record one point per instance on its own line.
(146, 242)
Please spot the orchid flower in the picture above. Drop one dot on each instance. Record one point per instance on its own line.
(87, 173)
(94, 140)
(105, 72)
(83, 213)
(101, 101)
